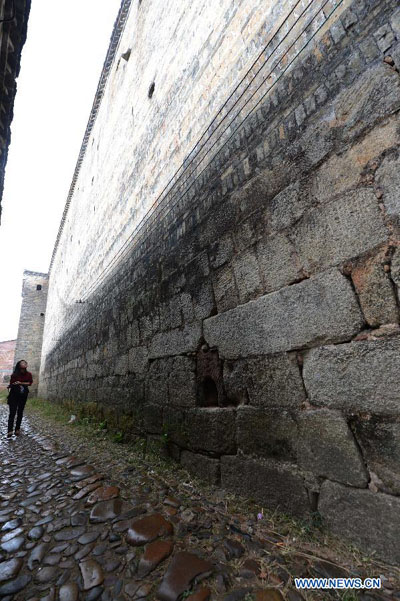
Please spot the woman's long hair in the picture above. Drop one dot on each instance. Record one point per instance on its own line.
(17, 368)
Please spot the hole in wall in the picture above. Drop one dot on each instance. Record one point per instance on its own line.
(38, 287)
(209, 392)
(151, 90)
(42, 315)
(126, 55)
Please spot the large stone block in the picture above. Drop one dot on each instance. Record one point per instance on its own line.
(157, 381)
(374, 95)
(211, 430)
(278, 263)
(268, 381)
(379, 439)
(339, 231)
(286, 207)
(343, 171)
(360, 376)
(370, 519)
(274, 484)
(322, 308)
(266, 432)
(225, 290)
(395, 271)
(245, 268)
(327, 448)
(205, 468)
(387, 177)
(375, 291)
(138, 359)
(182, 382)
(175, 342)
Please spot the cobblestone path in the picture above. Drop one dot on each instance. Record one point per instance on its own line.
(68, 533)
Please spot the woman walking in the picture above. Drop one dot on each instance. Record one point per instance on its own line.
(20, 380)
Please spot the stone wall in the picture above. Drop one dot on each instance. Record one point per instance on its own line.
(31, 323)
(254, 320)
(7, 350)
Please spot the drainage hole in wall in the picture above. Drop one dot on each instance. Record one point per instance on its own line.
(38, 287)
(151, 90)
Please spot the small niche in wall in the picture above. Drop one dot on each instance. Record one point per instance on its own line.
(42, 315)
(209, 393)
(151, 90)
(38, 287)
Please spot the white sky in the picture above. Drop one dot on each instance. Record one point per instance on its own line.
(60, 68)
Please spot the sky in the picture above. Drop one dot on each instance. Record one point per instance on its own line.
(60, 67)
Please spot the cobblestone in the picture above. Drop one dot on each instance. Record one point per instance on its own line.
(53, 551)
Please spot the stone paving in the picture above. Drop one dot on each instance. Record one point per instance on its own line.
(69, 533)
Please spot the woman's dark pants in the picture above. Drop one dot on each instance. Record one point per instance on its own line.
(17, 406)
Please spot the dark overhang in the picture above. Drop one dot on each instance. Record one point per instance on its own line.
(13, 26)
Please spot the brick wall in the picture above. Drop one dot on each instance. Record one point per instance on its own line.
(31, 323)
(255, 318)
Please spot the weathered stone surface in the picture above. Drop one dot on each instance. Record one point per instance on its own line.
(69, 533)
(11, 525)
(37, 555)
(359, 376)
(205, 468)
(326, 447)
(148, 529)
(182, 382)
(343, 171)
(247, 275)
(209, 429)
(69, 592)
(153, 416)
(11, 534)
(278, 263)
(339, 230)
(14, 586)
(104, 493)
(86, 490)
(13, 545)
(88, 537)
(107, 510)
(153, 555)
(225, 289)
(36, 533)
(377, 94)
(138, 359)
(387, 177)
(276, 484)
(320, 309)
(375, 291)
(91, 480)
(83, 471)
(182, 570)
(379, 438)
(265, 381)
(46, 574)
(92, 574)
(269, 433)
(175, 342)
(286, 207)
(363, 516)
(10, 569)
